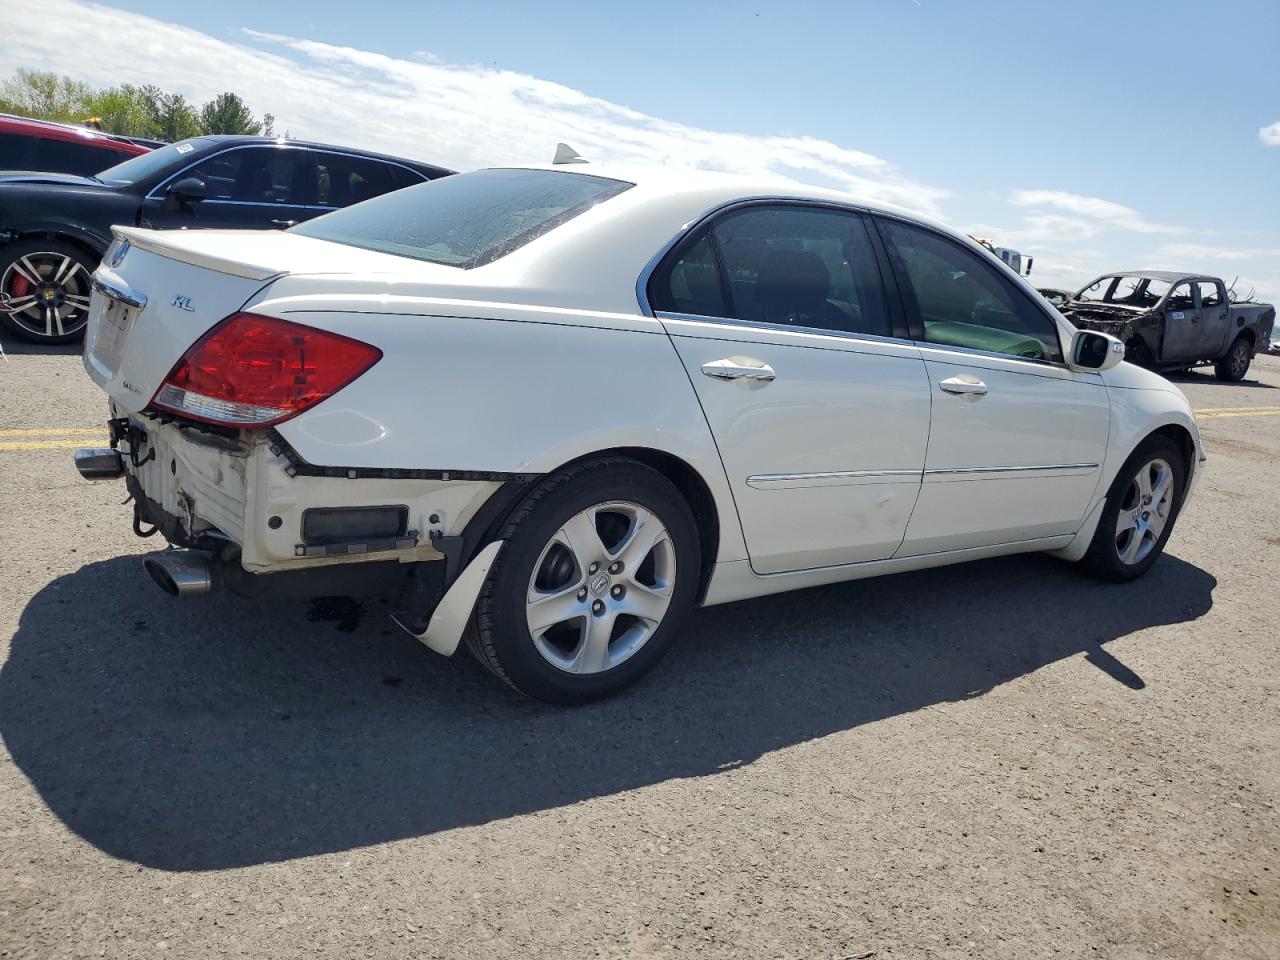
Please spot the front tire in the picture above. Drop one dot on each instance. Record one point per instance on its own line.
(1142, 507)
(1235, 364)
(44, 290)
(599, 571)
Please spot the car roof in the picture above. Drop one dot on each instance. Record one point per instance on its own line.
(232, 140)
(1170, 276)
(68, 133)
(716, 186)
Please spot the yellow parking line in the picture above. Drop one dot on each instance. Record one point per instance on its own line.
(42, 444)
(54, 432)
(1206, 415)
(1259, 408)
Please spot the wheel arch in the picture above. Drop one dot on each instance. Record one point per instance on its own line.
(1183, 440)
(87, 243)
(491, 517)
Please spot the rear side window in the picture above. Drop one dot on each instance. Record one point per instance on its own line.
(961, 301)
(780, 264)
(64, 156)
(15, 152)
(466, 220)
(336, 180)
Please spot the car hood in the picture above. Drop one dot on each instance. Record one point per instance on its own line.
(1100, 315)
(1130, 376)
(55, 179)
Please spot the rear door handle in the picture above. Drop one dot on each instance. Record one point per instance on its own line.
(739, 368)
(969, 386)
(283, 224)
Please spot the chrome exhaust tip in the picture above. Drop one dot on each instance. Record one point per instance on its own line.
(99, 463)
(181, 573)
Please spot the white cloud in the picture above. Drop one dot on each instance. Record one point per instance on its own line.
(458, 116)
(1201, 251)
(1106, 213)
(1270, 134)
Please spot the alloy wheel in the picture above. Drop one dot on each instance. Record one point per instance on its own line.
(1145, 509)
(601, 587)
(1239, 360)
(46, 293)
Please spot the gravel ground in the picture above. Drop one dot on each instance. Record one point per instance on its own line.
(1003, 759)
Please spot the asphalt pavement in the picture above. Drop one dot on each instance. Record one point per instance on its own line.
(1000, 759)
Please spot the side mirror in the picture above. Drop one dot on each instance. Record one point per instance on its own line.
(189, 190)
(1094, 352)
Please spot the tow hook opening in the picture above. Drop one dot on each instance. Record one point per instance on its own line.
(182, 573)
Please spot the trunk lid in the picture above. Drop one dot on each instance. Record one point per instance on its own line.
(158, 292)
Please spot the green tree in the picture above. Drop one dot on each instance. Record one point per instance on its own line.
(227, 113)
(45, 96)
(173, 118)
(123, 110)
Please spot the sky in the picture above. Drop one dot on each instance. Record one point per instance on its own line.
(1094, 136)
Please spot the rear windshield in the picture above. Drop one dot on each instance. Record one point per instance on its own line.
(466, 220)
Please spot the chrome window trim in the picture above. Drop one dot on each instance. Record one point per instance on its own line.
(155, 193)
(847, 336)
(1039, 365)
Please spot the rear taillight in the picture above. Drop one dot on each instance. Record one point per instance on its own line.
(252, 371)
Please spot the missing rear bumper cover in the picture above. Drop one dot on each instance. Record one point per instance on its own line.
(298, 467)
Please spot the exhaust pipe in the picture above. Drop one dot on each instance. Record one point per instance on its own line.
(181, 573)
(100, 463)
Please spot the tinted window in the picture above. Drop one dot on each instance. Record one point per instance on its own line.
(65, 156)
(15, 152)
(466, 220)
(962, 301)
(689, 282)
(335, 180)
(1209, 294)
(254, 175)
(792, 265)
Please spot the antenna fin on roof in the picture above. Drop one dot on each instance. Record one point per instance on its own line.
(566, 154)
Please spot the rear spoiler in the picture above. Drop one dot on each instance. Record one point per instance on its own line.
(184, 246)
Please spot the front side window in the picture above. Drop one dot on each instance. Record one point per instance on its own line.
(1209, 296)
(253, 175)
(466, 220)
(963, 302)
(782, 264)
(1181, 298)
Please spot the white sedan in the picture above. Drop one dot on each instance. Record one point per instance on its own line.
(558, 407)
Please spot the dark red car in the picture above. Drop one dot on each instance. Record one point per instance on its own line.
(60, 148)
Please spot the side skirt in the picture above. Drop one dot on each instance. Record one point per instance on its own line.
(734, 580)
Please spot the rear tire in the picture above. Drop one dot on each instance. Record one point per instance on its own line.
(1142, 507)
(44, 290)
(1235, 364)
(599, 570)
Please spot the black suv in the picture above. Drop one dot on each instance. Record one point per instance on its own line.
(54, 228)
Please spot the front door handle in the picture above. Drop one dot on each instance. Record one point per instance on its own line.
(964, 386)
(739, 368)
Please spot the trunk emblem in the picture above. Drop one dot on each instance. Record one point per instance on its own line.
(183, 303)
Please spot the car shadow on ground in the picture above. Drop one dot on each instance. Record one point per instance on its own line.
(221, 732)
(1196, 376)
(11, 346)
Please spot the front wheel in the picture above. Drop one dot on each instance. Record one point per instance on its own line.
(599, 570)
(1142, 506)
(1235, 364)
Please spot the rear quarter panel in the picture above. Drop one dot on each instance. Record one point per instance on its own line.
(523, 394)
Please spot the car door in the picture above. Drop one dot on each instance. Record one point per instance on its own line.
(245, 187)
(820, 413)
(1017, 439)
(1183, 331)
(1215, 319)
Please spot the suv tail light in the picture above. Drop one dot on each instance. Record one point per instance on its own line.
(252, 371)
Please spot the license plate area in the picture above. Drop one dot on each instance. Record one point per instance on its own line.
(112, 321)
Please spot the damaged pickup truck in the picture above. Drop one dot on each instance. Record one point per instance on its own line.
(1174, 321)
